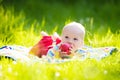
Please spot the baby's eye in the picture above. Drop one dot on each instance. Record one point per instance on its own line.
(66, 37)
(75, 39)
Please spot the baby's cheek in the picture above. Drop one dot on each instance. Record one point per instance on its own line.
(78, 45)
(81, 44)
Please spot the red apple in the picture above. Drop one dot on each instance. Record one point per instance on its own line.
(65, 47)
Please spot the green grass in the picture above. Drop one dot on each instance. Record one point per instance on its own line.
(18, 29)
(89, 69)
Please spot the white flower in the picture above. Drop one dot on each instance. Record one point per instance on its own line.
(105, 71)
(57, 74)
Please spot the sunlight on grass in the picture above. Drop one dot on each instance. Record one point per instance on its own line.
(109, 39)
(14, 31)
(88, 69)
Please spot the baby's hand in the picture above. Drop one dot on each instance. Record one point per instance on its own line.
(64, 55)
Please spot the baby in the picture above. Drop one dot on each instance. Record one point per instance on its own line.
(69, 45)
(72, 35)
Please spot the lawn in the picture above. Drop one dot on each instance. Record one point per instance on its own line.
(22, 21)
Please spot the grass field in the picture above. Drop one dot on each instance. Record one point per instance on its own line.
(21, 22)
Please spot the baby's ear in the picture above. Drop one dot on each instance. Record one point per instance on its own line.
(43, 33)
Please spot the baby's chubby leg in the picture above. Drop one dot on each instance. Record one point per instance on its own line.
(46, 43)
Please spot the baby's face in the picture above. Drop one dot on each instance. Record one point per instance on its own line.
(73, 37)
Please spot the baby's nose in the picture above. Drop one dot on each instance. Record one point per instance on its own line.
(70, 42)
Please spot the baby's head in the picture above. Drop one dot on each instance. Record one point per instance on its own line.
(73, 33)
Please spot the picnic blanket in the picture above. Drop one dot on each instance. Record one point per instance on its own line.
(21, 53)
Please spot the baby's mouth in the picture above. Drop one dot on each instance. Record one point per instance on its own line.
(71, 45)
